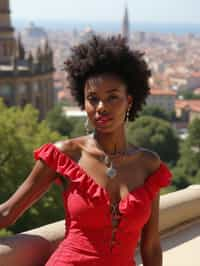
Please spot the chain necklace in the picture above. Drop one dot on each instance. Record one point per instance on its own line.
(111, 171)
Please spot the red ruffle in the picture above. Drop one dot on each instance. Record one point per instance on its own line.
(160, 178)
(65, 166)
(61, 163)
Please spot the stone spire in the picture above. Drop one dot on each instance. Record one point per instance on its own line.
(126, 25)
(39, 55)
(46, 46)
(20, 51)
(7, 40)
(48, 54)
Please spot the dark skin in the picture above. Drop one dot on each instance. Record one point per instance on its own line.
(105, 95)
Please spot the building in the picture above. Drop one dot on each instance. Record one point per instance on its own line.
(187, 110)
(86, 34)
(61, 85)
(73, 111)
(164, 98)
(197, 91)
(140, 37)
(24, 78)
(194, 80)
(126, 25)
(34, 32)
(179, 81)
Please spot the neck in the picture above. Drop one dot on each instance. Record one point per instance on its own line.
(112, 142)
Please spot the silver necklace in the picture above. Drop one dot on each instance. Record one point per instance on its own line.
(111, 171)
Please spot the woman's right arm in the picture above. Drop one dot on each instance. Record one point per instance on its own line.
(34, 186)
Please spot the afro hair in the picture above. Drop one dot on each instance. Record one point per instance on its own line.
(110, 55)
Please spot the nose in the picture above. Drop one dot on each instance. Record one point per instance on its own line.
(100, 104)
(101, 108)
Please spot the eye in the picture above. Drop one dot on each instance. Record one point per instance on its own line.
(92, 99)
(112, 97)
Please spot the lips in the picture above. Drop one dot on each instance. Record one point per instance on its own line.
(103, 119)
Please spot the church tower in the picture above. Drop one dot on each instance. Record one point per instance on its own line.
(24, 79)
(126, 25)
(7, 40)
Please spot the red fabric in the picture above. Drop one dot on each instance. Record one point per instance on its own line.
(88, 218)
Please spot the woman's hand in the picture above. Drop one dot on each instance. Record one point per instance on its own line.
(35, 185)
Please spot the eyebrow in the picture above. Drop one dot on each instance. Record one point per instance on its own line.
(90, 92)
(113, 90)
(108, 91)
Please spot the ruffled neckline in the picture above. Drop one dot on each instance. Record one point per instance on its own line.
(67, 167)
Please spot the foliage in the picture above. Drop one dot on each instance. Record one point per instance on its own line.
(188, 95)
(187, 170)
(78, 126)
(57, 121)
(5, 233)
(157, 111)
(155, 134)
(66, 126)
(168, 189)
(20, 134)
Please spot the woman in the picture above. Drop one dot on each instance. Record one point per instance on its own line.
(111, 187)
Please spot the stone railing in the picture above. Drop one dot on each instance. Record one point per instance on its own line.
(32, 248)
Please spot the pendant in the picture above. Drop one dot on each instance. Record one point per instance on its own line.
(111, 172)
(107, 160)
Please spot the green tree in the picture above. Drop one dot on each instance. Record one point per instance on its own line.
(157, 111)
(66, 126)
(20, 134)
(78, 126)
(187, 170)
(155, 134)
(57, 121)
(5, 233)
(188, 95)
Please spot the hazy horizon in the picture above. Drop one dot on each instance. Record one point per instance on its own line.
(102, 26)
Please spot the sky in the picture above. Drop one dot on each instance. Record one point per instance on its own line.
(155, 11)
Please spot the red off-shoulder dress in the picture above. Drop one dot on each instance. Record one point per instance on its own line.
(88, 235)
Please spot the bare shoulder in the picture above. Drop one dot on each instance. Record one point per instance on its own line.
(71, 147)
(151, 160)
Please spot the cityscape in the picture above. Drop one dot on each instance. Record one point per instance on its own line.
(174, 60)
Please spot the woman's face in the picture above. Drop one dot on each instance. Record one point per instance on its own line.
(106, 102)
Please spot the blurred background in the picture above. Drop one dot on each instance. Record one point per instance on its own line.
(35, 103)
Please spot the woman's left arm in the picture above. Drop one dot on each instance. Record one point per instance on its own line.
(150, 246)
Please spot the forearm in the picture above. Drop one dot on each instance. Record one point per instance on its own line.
(152, 257)
(15, 206)
(28, 193)
(9, 213)
(4, 216)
